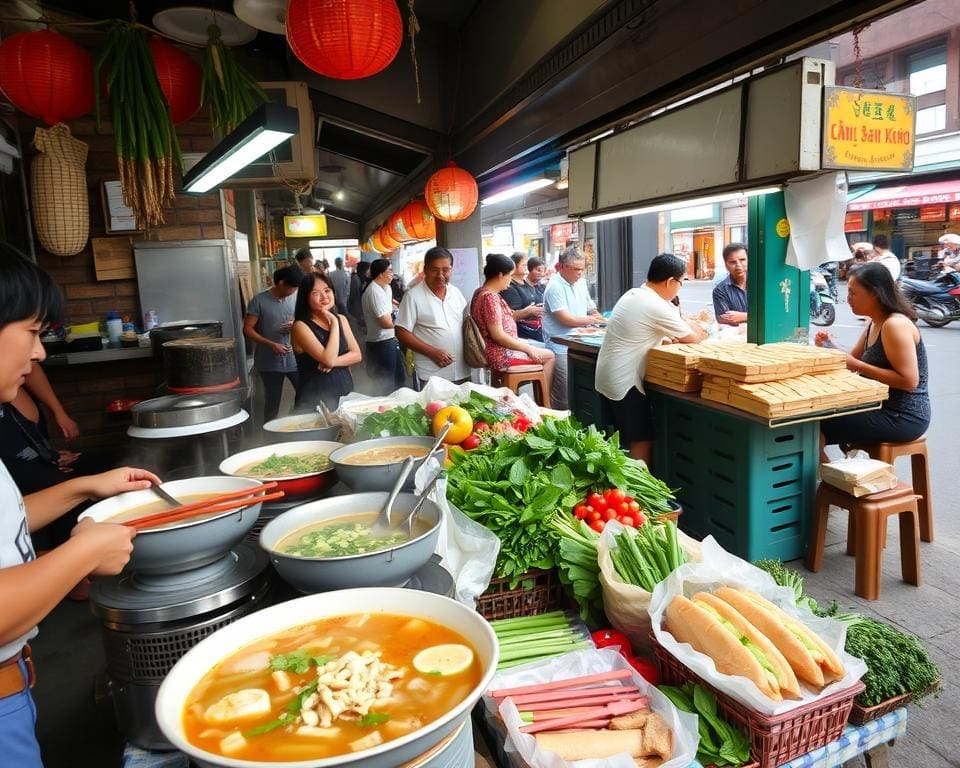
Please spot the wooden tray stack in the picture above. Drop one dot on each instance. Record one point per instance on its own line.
(676, 366)
(770, 362)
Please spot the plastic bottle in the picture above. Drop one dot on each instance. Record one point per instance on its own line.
(114, 326)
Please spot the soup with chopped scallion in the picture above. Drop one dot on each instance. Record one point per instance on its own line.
(332, 687)
(286, 466)
(351, 535)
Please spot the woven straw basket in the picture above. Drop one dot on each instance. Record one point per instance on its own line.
(58, 191)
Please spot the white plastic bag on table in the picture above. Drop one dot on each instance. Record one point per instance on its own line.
(468, 549)
(720, 568)
(626, 604)
(683, 724)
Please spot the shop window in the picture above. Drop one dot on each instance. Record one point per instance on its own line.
(927, 74)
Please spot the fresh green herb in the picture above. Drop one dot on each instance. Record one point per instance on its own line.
(787, 577)
(231, 91)
(720, 743)
(647, 555)
(374, 718)
(343, 538)
(288, 717)
(294, 464)
(403, 420)
(297, 662)
(486, 409)
(577, 565)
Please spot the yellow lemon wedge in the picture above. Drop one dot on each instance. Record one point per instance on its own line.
(448, 659)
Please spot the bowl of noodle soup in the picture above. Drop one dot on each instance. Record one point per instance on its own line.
(300, 468)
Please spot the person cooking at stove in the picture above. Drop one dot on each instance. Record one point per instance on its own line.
(31, 587)
(730, 294)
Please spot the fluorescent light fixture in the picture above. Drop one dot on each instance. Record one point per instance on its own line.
(266, 127)
(520, 189)
(722, 198)
(602, 135)
(347, 242)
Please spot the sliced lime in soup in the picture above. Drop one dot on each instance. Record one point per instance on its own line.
(447, 659)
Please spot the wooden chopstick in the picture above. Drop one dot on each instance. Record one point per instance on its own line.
(176, 515)
(246, 496)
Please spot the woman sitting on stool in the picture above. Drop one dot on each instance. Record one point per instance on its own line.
(890, 350)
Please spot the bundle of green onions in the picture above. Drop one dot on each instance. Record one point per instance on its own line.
(646, 556)
(230, 90)
(531, 638)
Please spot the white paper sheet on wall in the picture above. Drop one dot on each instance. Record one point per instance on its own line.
(816, 209)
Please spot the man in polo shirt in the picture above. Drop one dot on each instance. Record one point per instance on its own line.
(566, 305)
(430, 320)
(730, 294)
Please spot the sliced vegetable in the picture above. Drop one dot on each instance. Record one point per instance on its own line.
(446, 659)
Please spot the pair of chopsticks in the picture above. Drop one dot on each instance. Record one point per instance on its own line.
(583, 702)
(224, 502)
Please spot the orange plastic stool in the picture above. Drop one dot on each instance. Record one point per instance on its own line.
(919, 474)
(522, 374)
(868, 521)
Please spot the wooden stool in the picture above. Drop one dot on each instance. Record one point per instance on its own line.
(869, 514)
(919, 474)
(516, 375)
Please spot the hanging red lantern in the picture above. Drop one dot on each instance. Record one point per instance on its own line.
(46, 75)
(389, 240)
(397, 229)
(344, 39)
(378, 246)
(179, 78)
(451, 193)
(418, 221)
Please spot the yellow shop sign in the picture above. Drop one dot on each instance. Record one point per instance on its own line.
(314, 225)
(872, 130)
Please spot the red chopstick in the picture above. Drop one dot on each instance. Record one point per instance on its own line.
(576, 701)
(584, 693)
(218, 499)
(177, 514)
(614, 709)
(573, 682)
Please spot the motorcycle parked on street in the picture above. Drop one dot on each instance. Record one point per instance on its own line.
(823, 310)
(937, 301)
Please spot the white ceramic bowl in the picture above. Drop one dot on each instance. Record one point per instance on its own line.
(192, 544)
(200, 659)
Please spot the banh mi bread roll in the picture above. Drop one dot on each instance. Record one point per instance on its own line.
(811, 658)
(693, 624)
(770, 657)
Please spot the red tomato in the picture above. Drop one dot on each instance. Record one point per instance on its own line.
(634, 507)
(597, 525)
(597, 501)
(627, 520)
(595, 516)
(641, 518)
(480, 426)
(609, 514)
(614, 495)
(606, 638)
(622, 508)
(648, 670)
(580, 512)
(470, 442)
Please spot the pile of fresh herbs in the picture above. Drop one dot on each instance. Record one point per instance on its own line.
(402, 420)
(720, 743)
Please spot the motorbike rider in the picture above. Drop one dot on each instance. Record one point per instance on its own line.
(950, 253)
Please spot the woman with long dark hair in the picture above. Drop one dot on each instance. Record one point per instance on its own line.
(324, 345)
(890, 350)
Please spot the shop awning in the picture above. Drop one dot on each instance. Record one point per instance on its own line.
(907, 196)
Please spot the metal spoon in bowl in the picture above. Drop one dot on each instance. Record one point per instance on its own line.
(166, 496)
(383, 520)
(419, 505)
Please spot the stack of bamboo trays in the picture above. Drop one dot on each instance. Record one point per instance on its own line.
(769, 362)
(676, 366)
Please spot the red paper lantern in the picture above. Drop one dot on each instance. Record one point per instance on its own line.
(46, 75)
(378, 246)
(451, 193)
(418, 221)
(389, 240)
(179, 77)
(397, 229)
(344, 39)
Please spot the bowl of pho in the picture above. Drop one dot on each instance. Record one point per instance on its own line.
(300, 468)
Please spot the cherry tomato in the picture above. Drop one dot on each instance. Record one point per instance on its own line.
(648, 670)
(641, 519)
(580, 511)
(614, 495)
(595, 516)
(627, 520)
(609, 514)
(597, 501)
(480, 426)
(622, 508)
(634, 507)
(597, 525)
(470, 442)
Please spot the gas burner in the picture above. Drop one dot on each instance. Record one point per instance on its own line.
(434, 578)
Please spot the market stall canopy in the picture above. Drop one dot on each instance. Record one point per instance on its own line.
(907, 196)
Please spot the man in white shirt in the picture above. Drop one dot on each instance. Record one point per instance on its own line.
(384, 361)
(566, 305)
(642, 319)
(883, 254)
(430, 320)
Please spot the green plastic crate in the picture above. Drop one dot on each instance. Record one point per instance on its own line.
(749, 486)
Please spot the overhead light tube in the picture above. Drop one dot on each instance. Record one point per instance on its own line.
(268, 126)
(720, 198)
(517, 191)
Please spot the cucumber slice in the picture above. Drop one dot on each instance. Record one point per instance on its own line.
(448, 659)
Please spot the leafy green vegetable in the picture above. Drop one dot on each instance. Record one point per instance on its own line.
(403, 420)
(288, 717)
(720, 743)
(294, 464)
(787, 577)
(297, 662)
(487, 409)
(646, 556)
(374, 718)
(577, 565)
(336, 539)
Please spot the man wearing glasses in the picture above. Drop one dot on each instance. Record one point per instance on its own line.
(566, 305)
(730, 294)
(643, 318)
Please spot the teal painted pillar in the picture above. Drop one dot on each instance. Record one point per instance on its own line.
(778, 295)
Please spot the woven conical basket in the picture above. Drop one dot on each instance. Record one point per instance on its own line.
(58, 191)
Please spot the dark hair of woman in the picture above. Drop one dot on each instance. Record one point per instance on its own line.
(877, 280)
(26, 291)
(302, 309)
(497, 264)
(664, 266)
(533, 262)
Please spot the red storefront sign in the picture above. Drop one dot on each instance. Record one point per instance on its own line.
(954, 212)
(561, 233)
(855, 222)
(933, 213)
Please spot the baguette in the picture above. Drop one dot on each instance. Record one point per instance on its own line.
(690, 623)
(812, 659)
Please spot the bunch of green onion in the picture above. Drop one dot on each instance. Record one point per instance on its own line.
(531, 638)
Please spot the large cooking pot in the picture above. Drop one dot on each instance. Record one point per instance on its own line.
(200, 659)
(310, 484)
(192, 543)
(300, 427)
(381, 476)
(183, 329)
(387, 567)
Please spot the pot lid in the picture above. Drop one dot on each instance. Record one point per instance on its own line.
(266, 15)
(172, 411)
(188, 24)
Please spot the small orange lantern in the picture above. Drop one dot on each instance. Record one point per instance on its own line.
(451, 193)
(388, 240)
(377, 244)
(397, 229)
(418, 221)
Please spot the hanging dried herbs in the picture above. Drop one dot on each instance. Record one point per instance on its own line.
(231, 91)
(144, 138)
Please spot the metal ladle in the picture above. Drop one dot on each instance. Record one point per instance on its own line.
(166, 496)
(382, 523)
(410, 518)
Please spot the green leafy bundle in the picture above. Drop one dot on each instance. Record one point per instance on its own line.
(404, 420)
(144, 139)
(577, 565)
(720, 743)
(230, 90)
(646, 556)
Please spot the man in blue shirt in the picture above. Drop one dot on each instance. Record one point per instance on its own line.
(730, 294)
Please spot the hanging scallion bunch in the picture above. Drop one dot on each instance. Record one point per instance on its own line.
(230, 90)
(145, 141)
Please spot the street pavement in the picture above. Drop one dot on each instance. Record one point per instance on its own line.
(932, 611)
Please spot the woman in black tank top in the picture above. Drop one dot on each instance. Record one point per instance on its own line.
(324, 345)
(890, 351)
